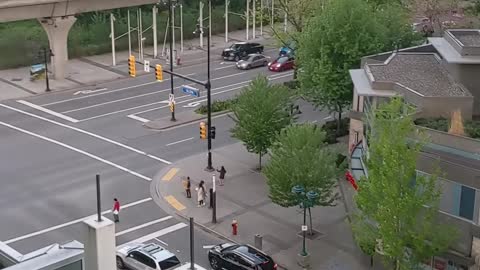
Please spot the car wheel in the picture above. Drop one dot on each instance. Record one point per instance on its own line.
(249, 67)
(120, 263)
(214, 263)
(237, 58)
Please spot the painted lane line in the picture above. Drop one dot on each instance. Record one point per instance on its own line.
(30, 235)
(87, 133)
(154, 235)
(208, 246)
(138, 118)
(155, 103)
(184, 140)
(174, 203)
(143, 225)
(78, 151)
(244, 83)
(170, 174)
(161, 242)
(45, 110)
(89, 91)
(106, 92)
(229, 66)
(141, 95)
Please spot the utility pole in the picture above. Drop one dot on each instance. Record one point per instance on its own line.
(99, 207)
(209, 105)
(192, 250)
(170, 7)
(46, 54)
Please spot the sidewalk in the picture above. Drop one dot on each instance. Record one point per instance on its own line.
(87, 72)
(245, 198)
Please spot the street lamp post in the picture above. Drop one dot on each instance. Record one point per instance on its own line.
(46, 53)
(208, 87)
(305, 200)
(170, 30)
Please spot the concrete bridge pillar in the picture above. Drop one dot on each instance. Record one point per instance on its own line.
(57, 31)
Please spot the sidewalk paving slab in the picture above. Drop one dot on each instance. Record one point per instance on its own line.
(244, 197)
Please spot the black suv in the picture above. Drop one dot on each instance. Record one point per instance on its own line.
(241, 49)
(239, 257)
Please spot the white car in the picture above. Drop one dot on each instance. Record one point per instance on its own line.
(137, 256)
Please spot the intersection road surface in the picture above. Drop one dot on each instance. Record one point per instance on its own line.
(53, 145)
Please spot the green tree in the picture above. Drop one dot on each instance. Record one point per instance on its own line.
(334, 42)
(300, 157)
(397, 207)
(261, 111)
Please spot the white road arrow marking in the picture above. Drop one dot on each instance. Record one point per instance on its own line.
(193, 104)
(84, 92)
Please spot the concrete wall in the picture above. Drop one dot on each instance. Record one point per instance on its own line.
(469, 76)
(444, 106)
(458, 142)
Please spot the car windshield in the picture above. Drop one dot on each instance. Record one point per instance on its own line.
(282, 60)
(169, 263)
(250, 58)
(235, 46)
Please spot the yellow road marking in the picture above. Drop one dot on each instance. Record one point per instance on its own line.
(175, 203)
(170, 174)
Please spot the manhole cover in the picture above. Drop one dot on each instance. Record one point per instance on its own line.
(16, 80)
(314, 234)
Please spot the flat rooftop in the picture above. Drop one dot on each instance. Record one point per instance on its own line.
(420, 72)
(468, 38)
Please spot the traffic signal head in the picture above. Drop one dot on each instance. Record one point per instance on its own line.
(131, 66)
(212, 132)
(159, 73)
(203, 130)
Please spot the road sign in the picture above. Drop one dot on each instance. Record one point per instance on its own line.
(190, 91)
(304, 228)
(171, 98)
(146, 66)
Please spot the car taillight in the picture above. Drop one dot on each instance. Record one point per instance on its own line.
(275, 267)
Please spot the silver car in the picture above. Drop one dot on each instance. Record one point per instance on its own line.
(151, 256)
(252, 61)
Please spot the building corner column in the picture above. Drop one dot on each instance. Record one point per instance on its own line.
(57, 30)
(100, 246)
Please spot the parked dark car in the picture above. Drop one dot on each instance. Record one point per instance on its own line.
(231, 256)
(252, 61)
(241, 49)
(282, 63)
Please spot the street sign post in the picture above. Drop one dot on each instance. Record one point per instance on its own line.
(146, 66)
(190, 91)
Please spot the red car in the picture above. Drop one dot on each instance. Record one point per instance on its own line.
(282, 63)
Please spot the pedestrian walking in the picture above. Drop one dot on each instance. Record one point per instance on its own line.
(222, 172)
(116, 209)
(187, 184)
(201, 194)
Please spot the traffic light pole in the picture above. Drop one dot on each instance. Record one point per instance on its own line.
(171, 54)
(45, 58)
(208, 86)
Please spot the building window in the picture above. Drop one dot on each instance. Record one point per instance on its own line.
(467, 202)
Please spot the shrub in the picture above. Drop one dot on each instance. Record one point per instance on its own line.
(217, 106)
(291, 84)
(437, 123)
(330, 128)
(473, 129)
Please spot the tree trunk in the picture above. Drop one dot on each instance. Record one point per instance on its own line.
(310, 231)
(339, 120)
(260, 161)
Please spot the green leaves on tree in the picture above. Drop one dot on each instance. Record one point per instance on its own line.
(261, 111)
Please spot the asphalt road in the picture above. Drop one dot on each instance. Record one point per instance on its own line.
(53, 145)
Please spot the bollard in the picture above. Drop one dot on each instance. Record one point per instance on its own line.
(258, 241)
(234, 227)
(211, 198)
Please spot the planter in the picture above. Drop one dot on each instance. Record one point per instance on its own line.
(304, 261)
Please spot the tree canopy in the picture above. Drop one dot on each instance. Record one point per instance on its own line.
(300, 157)
(398, 207)
(261, 111)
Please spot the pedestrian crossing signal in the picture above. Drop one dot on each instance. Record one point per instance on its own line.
(213, 132)
(131, 66)
(159, 73)
(203, 130)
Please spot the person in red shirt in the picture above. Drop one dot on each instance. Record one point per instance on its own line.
(116, 209)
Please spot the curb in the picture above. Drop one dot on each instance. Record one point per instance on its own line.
(181, 123)
(159, 197)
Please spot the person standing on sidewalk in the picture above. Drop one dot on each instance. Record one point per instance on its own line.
(187, 184)
(222, 172)
(201, 194)
(116, 209)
